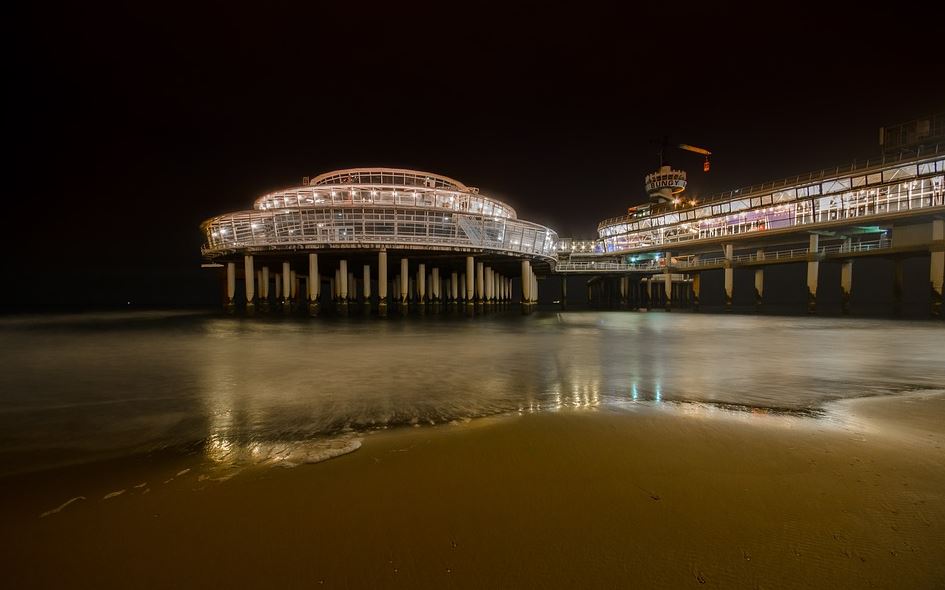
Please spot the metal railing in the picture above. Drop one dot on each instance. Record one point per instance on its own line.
(786, 254)
(606, 267)
(659, 265)
(384, 196)
(349, 227)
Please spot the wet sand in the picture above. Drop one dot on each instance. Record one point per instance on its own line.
(644, 495)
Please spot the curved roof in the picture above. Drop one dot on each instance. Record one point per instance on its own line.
(394, 176)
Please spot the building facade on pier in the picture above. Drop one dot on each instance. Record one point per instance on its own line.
(891, 207)
(448, 243)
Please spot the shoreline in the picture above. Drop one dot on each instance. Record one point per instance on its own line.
(719, 409)
(580, 497)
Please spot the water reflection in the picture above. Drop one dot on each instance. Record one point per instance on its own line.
(277, 390)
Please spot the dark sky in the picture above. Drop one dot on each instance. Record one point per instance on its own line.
(132, 123)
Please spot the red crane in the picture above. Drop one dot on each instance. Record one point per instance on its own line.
(689, 148)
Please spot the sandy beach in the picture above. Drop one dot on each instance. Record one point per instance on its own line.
(647, 495)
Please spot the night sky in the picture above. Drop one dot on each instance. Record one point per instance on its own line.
(131, 124)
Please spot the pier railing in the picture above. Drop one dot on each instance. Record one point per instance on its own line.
(785, 254)
(659, 265)
(305, 227)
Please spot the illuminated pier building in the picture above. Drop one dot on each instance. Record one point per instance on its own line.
(453, 244)
(377, 236)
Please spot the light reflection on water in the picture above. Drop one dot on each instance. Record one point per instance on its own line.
(249, 390)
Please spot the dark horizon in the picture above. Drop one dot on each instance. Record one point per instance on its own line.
(134, 124)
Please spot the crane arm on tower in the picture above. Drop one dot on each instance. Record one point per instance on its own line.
(698, 150)
(692, 148)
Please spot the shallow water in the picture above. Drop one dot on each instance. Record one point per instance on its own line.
(82, 387)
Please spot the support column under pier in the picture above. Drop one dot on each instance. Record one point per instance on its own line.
(421, 284)
(564, 291)
(314, 284)
(264, 291)
(813, 273)
(470, 280)
(534, 289)
(286, 286)
(487, 279)
(343, 286)
(404, 284)
(250, 279)
(729, 276)
(480, 282)
(259, 288)
(759, 281)
(526, 284)
(937, 268)
(668, 286)
(499, 288)
(382, 283)
(230, 299)
(696, 288)
(496, 288)
(846, 285)
(367, 287)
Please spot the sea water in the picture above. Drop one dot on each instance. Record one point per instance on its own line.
(270, 389)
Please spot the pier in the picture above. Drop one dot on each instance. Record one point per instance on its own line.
(380, 239)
